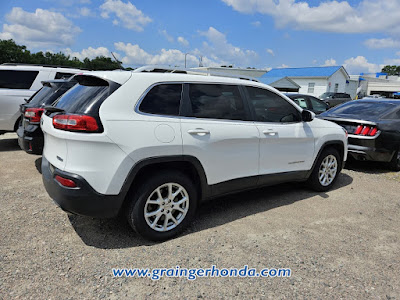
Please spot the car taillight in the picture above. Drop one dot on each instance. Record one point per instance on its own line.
(81, 123)
(65, 181)
(33, 114)
(366, 130)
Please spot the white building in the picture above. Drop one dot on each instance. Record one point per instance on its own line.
(377, 83)
(316, 80)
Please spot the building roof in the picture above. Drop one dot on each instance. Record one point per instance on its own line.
(303, 72)
(279, 82)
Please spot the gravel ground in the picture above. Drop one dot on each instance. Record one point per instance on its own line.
(340, 244)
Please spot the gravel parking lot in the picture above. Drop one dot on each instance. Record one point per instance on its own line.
(340, 244)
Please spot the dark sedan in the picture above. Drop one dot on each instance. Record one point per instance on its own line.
(374, 129)
(30, 135)
(309, 102)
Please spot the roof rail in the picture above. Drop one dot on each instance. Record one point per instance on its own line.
(163, 69)
(39, 65)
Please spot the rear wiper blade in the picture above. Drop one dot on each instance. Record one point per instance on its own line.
(53, 109)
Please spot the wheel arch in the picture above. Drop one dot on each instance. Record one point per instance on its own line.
(337, 145)
(186, 164)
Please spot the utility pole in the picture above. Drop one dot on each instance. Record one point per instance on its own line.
(185, 59)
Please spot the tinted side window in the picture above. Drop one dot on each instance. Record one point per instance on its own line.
(17, 79)
(270, 107)
(216, 101)
(162, 99)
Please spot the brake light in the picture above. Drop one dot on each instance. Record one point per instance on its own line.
(81, 123)
(65, 181)
(33, 114)
(366, 130)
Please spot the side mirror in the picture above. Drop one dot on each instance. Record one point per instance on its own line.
(307, 116)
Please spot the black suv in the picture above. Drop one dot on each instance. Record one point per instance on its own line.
(30, 135)
(333, 99)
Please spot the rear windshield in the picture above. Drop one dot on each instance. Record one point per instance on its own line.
(10, 79)
(48, 94)
(361, 109)
(86, 96)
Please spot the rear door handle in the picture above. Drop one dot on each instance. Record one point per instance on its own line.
(199, 131)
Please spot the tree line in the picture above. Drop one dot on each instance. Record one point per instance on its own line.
(10, 52)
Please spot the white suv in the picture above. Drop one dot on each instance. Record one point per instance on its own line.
(153, 146)
(19, 82)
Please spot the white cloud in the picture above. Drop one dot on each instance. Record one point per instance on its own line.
(382, 43)
(282, 66)
(89, 53)
(183, 41)
(134, 55)
(167, 36)
(360, 64)
(219, 49)
(329, 63)
(41, 28)
(256, 24)
(85, 11)
(398, 53)
(126, 13)
(331, 16)
(270, 51)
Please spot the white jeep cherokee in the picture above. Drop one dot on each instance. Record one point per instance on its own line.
(153, 146)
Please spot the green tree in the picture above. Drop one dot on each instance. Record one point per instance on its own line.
(391, 70)
(10, 52)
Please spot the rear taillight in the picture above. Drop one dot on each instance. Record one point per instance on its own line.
(82, 123)
(33, 114)
(366, 130)
(65, 181)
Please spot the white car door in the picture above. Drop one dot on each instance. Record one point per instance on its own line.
(286, 143)
(216, 131)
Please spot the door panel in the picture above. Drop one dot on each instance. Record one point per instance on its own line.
(226, 149)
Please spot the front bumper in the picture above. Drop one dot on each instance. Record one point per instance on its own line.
(82, 200)
(30, 139)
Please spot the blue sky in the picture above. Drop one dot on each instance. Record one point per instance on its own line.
(362, 35)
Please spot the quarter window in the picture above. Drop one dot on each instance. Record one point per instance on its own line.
(10, 79)
(163, 99)
(270, 107)
(311, 86)
(216, 101)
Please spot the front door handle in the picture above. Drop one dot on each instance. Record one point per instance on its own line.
(270, 133)
(199, 131)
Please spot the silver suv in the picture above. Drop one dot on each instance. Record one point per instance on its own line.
(19, 82)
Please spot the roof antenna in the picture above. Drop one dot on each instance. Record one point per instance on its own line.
(119, 62)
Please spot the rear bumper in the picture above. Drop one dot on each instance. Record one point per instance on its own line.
(370, 153)
(31, 139)
(82, 200)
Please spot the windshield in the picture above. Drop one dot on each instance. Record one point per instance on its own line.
(360, 109)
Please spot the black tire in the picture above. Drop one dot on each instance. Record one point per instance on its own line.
(136, 209)
(394, 164)
(314, 181)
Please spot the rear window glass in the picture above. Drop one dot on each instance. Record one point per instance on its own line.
(47, 95)
(359, 108)
(85, 97)
(10, 79)
(216, 101)
(162, 99)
